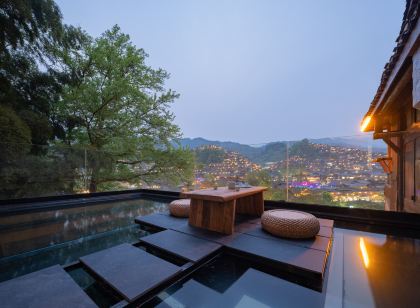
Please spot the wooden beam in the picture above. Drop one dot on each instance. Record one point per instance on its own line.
(385, 162)
(391, 144)
(383, 135)
(416, 79)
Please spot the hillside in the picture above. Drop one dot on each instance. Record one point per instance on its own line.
(276, 151)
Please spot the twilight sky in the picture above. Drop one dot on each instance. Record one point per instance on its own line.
(259, 70)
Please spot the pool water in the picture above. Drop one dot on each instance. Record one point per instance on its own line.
(364, 270)
(230, 281)
(33, 241)
(102, 295)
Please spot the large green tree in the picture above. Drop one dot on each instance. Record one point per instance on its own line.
(32, 36)
(118, 108)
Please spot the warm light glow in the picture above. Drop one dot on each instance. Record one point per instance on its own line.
(365, 123)
(364, 252)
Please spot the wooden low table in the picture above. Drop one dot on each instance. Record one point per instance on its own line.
(215, 210)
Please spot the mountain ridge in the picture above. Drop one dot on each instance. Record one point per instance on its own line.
(273, 150)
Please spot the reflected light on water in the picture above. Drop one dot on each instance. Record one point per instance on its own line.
(364, 252)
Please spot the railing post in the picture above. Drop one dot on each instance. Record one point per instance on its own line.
(287, 171)
(85, 173)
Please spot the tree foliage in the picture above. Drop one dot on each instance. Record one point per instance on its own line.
(209, 155)
(32, 25)
(118, 106)
(62, 92)
(15, 135)
(259, 178)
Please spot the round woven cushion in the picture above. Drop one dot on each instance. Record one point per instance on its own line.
(180, 208)
(291, 224)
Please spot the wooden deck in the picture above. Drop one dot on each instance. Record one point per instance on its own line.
(305, 258)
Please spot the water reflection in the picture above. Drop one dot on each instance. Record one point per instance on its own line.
(233, 282)
(65, 253)
(26, 232)
(364, 252)
(378, 270)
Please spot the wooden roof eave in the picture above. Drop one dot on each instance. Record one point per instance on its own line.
(401, 65)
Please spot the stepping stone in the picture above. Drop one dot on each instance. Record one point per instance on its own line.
(129, 270)
(49, 287)
(184, 245)
(306, 261)
(162, 220)
(269, 291)
(191, 294)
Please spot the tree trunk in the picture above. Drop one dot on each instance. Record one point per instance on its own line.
(93, 185)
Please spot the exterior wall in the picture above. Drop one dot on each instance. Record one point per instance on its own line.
(391, 188)
(403, 118)
(411, 163)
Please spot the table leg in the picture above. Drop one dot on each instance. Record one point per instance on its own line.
(251, 205)
(214, 216)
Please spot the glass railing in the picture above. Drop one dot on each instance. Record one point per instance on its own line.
(335, 171)
(28, 170)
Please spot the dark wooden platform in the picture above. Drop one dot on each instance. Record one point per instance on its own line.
(129, 270)
(319, 242)
(49, 287)
(186, 246)
(307, 257)
(298, 259)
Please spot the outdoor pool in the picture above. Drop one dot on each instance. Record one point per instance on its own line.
(32, 241)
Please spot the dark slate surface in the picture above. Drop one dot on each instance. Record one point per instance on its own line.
(192, 294)
(206, 234)
(258, 289)
(301, 257)
(318, 242)
(49, 287)
(239, 218)
(129, 270)
(308, 255)
(325, 231)
(326, 222)
(162, 220)
(181, 244)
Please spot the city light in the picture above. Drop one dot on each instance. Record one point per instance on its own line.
(365, 123)
(364, 252)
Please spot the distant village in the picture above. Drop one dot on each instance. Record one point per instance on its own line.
(336, 175)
